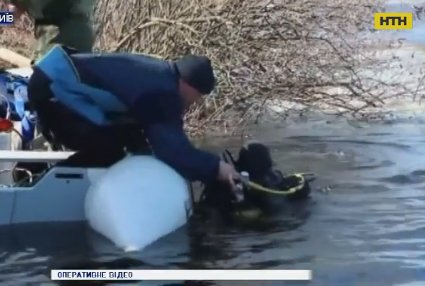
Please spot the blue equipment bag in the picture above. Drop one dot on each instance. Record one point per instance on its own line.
(14, 101)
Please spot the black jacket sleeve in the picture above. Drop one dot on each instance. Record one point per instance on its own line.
(171, 145)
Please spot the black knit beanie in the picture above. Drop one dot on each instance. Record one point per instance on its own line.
(197, 72)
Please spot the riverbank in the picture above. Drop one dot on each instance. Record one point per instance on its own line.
(393, 58)
(269, 57)
(402, 91)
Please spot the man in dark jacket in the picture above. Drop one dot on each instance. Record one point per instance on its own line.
(97, 105)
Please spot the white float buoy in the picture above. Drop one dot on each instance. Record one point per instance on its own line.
(137, 201)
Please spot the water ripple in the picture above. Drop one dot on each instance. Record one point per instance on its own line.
(369, 229)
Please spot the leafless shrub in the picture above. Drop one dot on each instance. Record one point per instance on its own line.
(305, 51)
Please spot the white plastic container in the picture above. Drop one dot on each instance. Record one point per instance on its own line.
(137, 201)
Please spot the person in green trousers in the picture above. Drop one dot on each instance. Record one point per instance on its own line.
(65, 22)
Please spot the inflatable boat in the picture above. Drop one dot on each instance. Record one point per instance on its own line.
(133, 203)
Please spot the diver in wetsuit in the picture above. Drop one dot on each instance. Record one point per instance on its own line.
(97, 104)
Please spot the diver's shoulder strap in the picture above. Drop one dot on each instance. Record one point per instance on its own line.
(228, 157)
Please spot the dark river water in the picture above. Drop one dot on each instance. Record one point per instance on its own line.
(365, 224)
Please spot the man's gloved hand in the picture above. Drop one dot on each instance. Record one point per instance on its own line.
(228, 174)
